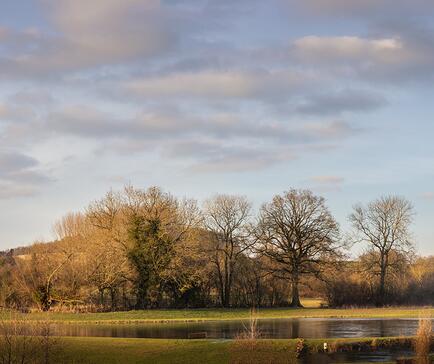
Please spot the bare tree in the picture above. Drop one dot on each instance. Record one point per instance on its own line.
(227, 220)
(70, 226)
(107, 215)
(107, 248)
(297, 231)
(384, 225)
(39, 274)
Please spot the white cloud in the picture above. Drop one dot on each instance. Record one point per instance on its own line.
(328, 180)
(318, 48)
(331, 130)
(11, 190)
(327, 183)
(111, 29)
(87, 34)
(223, 159)
(367, 9)
(428, 195)
(408, 56)
(10, 113)
(221, 84)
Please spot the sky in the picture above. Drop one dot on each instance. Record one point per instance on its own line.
(201, 97)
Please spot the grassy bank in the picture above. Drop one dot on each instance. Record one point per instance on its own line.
(143, 316)
(114, 350)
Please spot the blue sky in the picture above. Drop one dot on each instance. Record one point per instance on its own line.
(199, 97)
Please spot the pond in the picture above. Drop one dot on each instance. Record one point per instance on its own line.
(309, 328)
(356, 357)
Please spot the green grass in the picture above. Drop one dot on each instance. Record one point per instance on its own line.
(115, 350)
(143, 316)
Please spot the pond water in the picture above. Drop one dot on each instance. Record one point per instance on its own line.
(356, 357)
(309, 328)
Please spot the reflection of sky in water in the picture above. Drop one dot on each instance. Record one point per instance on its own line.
(279, 328)
(356, 357)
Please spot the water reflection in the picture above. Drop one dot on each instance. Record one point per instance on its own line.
(356, 357)
(278, 328)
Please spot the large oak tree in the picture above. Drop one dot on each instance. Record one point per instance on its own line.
(297, 231)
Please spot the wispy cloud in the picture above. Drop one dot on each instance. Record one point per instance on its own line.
(326, 183)
(428, 195)
(20, 175)
(333, 180)
(342, 101)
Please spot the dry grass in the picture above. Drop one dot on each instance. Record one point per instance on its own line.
(27, 342)
(423, 341)
(246, 342)
(251, 330)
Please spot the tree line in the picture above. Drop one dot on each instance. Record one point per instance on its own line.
(136, 249)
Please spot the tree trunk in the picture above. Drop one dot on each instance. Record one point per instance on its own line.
(221, 288)
(101, 296)
(113, 298)
(258, 292)
(295, 302)
(225, 295)
(142, 294)
(124, 298)
(382, 290)
(225, 279)
(227, 298)
(227, 288)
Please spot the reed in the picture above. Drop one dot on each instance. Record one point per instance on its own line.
(251, 330)
(423, 341)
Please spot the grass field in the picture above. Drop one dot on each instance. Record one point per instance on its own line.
(311, 310)
(114, 350)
